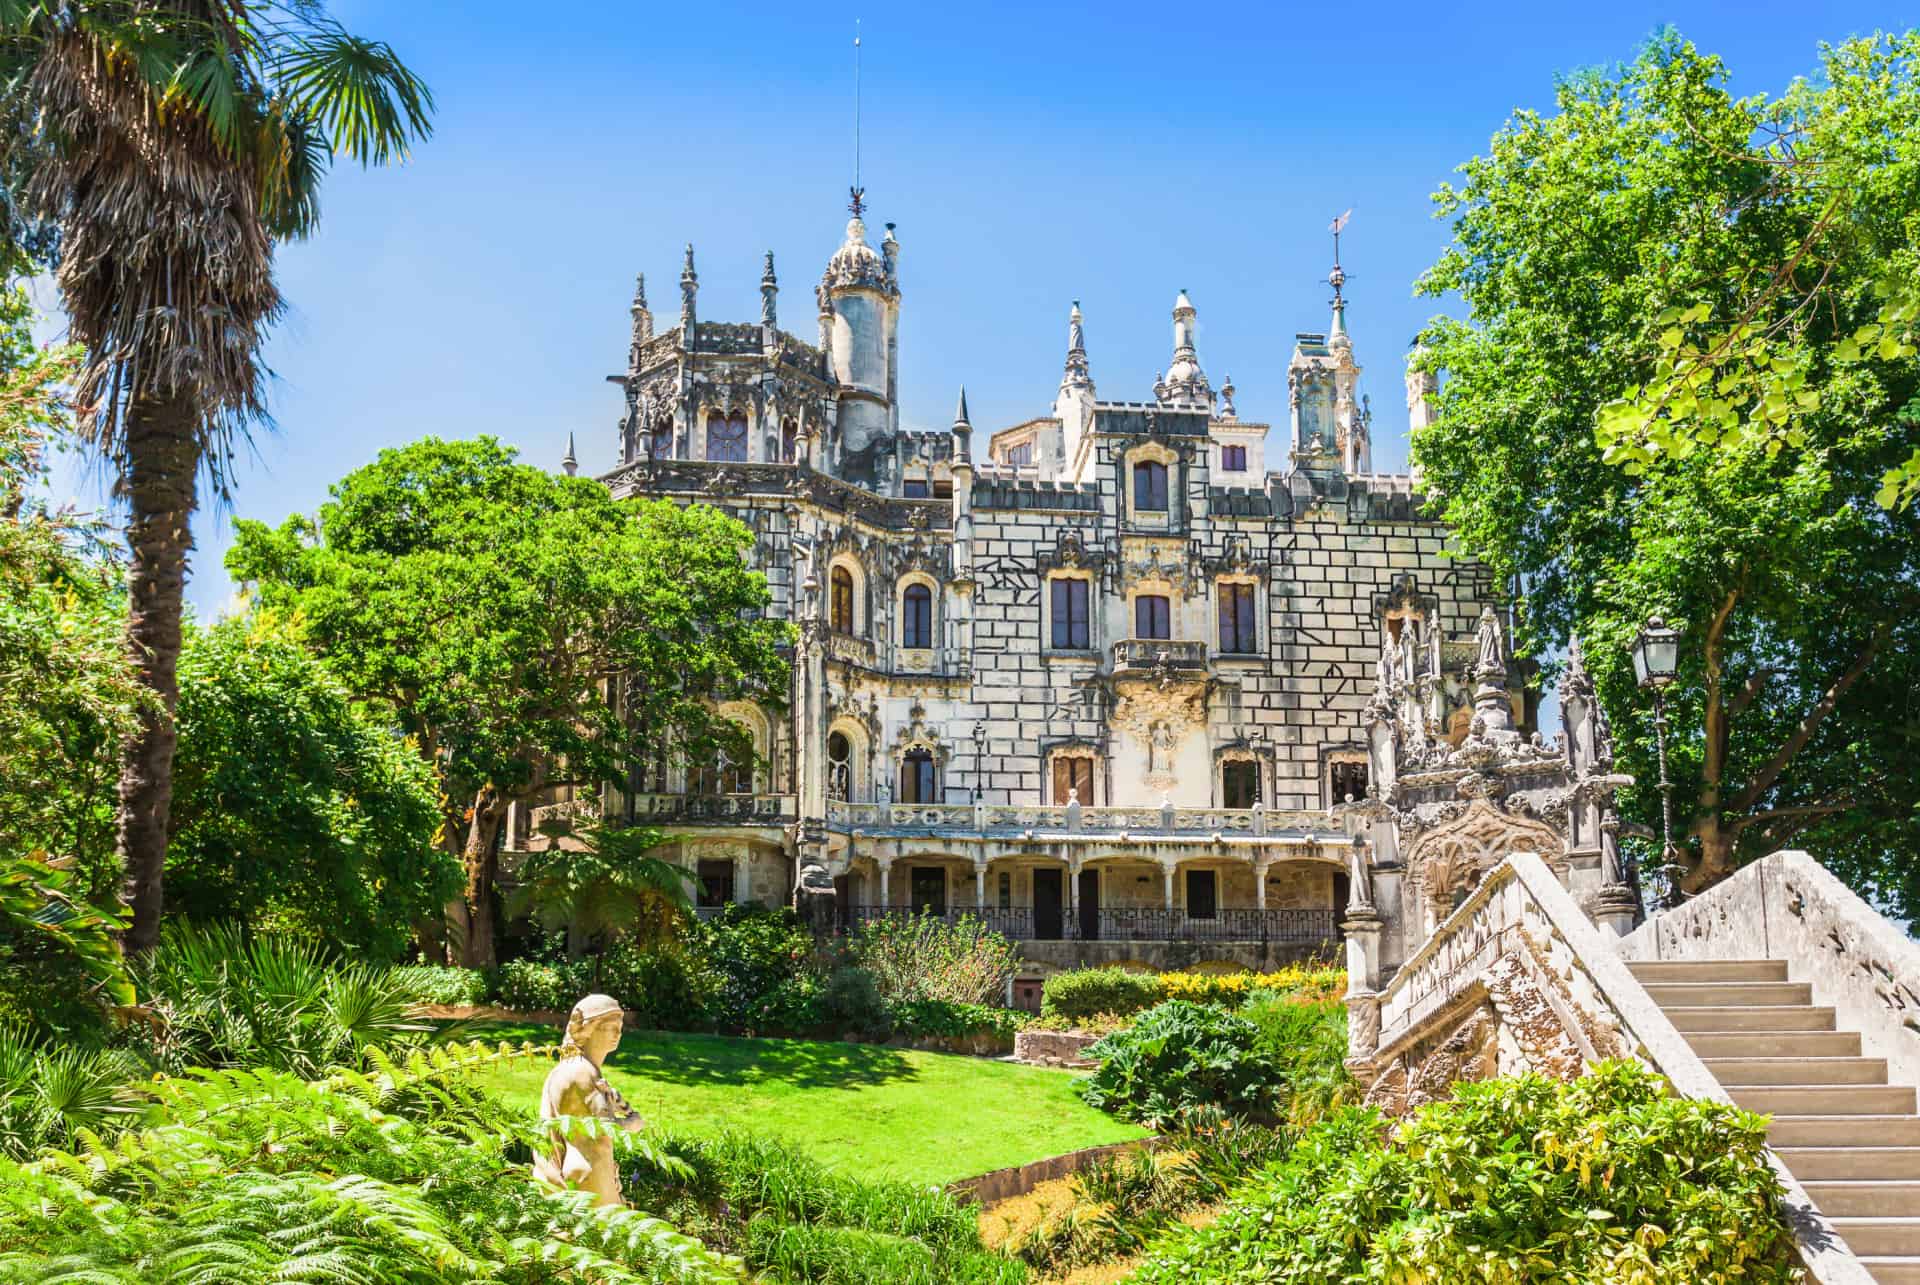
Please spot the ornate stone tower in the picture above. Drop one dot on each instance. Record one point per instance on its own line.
(1184, 383)
(1073, 406)
(860, 318)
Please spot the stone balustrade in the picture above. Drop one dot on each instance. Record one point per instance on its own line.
(1146, 655)
(1072, 819)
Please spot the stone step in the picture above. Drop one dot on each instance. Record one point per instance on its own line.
(1865, 1199)
(1797, 1070)
(1824, 1099)
(1720, 994)
(1893, 1271)
(1723, 1019)
(1722, 1044)
(1844, 1131)
(1716, 970)
(1852, 1164)
(1885, 1237)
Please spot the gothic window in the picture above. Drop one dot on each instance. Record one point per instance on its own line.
(1071, 628)
(727, 437)
(1238, 634)
(716, 883)
(789, 440)
(1239, 783)
(840, 605)
(915, 488)
(1233, 459)
(1347, 779)
(661, 447)
(1150, 486)
(839, 767)
(1073, 779)
(916, 617)
(1152, 616)
(917, 781)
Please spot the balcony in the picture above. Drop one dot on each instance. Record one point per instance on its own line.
(1038, 820)
(1169, 657)
(1288, 927)
(675, 810)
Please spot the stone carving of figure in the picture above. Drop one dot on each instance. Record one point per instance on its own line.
(1160, 759)
(1386, 671)
(1492, 653)
(575, 1088)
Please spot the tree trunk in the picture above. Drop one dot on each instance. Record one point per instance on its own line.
(159, 474)
(470, 920)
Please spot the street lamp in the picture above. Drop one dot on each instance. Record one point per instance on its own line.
(980, 761)
(1656, 663)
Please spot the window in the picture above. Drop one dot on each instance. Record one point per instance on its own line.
(840, 604)
(1073, 780)
(915, 488)
(928, 885)
(1152, 617)
(1150, 486)
(1020, 456)
(1347, 780)
(661, 447)
(916, 619)
(1006, 891)
(789, 440)
(736, 778)
(1071, 631)
(727, 437)
(1233, 459)
(1237, 626)
(716, 883)
(839, 767)
(917, 784)
(1239, 783)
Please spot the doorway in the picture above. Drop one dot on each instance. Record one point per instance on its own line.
(1089, 905)
(1047, 890)
(929, 889)
(1203, 899)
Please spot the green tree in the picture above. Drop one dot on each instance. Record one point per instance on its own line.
(1651, 188)
(606, 883)
(295, 806)
(530, 630)
(171, 144)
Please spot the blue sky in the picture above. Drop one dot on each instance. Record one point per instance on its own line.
(1030, 156)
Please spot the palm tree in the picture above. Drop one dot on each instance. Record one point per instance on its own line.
(170, 144)
(608, 884)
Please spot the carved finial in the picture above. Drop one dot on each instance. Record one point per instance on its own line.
(642, 315)
(1338, 277)
(567, 462)
(769, 291)
(1078, 373)
(689, 287)
(1226, 400)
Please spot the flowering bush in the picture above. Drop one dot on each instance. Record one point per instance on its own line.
(1310, 981)
(922, 957)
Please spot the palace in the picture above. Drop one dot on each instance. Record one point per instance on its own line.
(1112, 678)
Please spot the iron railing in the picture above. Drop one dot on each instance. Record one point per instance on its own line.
(1126, 923)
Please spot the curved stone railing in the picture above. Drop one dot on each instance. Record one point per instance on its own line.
(1788, 906)
(1520, 917)
(1074, 819)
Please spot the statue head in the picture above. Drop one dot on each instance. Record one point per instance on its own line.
(593, 1028)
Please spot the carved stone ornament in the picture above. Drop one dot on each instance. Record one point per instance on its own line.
(1448, 859)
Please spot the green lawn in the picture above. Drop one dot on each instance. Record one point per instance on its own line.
(872, 1111)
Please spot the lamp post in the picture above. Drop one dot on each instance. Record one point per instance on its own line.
(1656, 663)
(980, 761)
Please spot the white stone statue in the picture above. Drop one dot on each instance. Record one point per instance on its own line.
(1492, 653)
(576, 1088)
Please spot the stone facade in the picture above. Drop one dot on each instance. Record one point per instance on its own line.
(1116, 677)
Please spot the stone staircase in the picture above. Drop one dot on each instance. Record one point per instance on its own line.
(1850, 1138)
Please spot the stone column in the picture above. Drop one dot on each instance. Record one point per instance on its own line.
(886, 867)
(1260, 869)
(1362, 927)
(742, 878)
(1169, 871)
(979, 887)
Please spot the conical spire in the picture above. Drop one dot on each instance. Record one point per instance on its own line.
(567, 461)
(1185, 381)
(1078, 373)
(962, 432)
(769, 292)
(960, 411)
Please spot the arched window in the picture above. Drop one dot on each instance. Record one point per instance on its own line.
(789, 440)
(839, 767)
(661, 447)
(1150, 486)
(727, 437)
(917, 781)
(916, 617)
(840, 601)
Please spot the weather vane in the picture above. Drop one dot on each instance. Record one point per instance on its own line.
(1338, 277)
(858, 194)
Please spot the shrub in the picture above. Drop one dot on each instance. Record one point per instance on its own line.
(920, 957)
(1086, 991)
(851, 1001)
(530, 985)
(763, 961)
(435, 984)
(937, 1018)
(49, 1092)
(1307, 981)
(1178, 1056)
(1602, 1180)
(1306, 1040)
(667, 986)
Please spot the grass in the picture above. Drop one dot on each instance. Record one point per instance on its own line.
(859, 1108)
